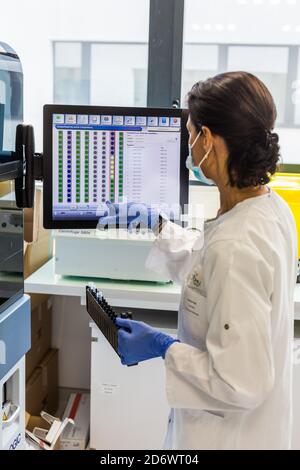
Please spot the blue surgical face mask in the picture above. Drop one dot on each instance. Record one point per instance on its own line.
(198, 173)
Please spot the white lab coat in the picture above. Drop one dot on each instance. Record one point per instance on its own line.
(229, 381)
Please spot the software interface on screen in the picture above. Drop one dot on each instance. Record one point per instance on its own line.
(107, 157)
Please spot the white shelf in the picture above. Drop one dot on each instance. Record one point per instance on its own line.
(118, 293)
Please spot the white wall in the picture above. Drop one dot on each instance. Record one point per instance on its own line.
(30, 27)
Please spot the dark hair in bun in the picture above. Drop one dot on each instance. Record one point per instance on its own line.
(238, 107)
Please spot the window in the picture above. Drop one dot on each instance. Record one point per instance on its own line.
(54, 40)
(98, 54)
(100, 73)
(270, 64)
(69, 83)
(200, 62)
(234, 35)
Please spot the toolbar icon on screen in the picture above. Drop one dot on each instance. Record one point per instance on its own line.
(153, 121)
(95, 119)
(129, 120)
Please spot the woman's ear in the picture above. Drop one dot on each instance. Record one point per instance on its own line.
(207, 138)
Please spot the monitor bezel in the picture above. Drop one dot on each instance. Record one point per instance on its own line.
(49, 110)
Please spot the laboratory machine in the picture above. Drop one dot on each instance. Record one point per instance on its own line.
(94, 154)
(14, 305)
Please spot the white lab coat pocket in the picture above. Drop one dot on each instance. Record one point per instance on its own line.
(205, 430)
(194, 313)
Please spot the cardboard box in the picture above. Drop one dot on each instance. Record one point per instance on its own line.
(78, 410)
(49, 367)
(36, 255)
(37, 299)
(38, 245)
(36, 394)
(44, 431)
(33, 219)
(42, 386)
(41, 332)
(6, 187)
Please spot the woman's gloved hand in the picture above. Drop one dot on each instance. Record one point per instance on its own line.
(129, 215)
(139, 341)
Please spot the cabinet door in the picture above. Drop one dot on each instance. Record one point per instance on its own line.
(129, 408)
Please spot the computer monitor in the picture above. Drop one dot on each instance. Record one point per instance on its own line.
(93, 154)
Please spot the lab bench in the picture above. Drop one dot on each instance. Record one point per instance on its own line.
(118, 293)
(128, 405)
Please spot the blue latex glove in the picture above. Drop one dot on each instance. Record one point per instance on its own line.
(129, 215)
(139, 341)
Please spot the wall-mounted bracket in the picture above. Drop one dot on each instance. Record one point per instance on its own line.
(31, 164)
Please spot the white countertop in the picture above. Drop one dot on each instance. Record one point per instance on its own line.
(119, 293)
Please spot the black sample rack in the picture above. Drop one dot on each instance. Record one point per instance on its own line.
(103, 315)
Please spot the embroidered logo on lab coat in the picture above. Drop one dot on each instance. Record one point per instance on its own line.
(195, 281)
(195, 278)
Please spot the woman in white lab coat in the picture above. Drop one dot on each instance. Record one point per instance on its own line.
(228, 377)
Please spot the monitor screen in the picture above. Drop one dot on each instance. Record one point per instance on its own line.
(95, 154)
